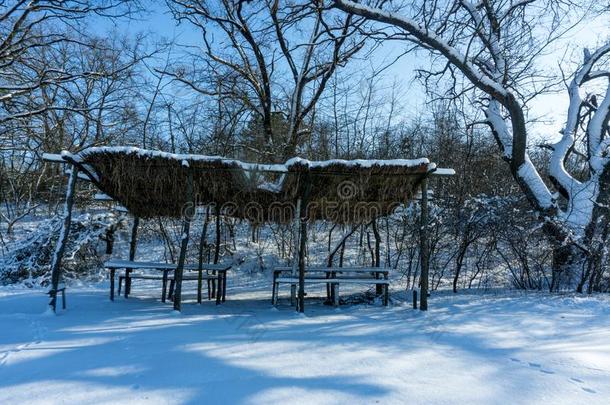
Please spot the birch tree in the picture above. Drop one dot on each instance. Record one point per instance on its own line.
(496, 45)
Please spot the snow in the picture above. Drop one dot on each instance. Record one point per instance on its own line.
(102, 197)
(428, 38)
(184, 159)
(443, 171)
(528, 173)
(279, 168)
(364, 163)
(53, 157)
(494, 347)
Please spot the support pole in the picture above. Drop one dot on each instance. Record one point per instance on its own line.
(133, 243)
(187, 216)
(217, 211)
(295, 260)
(424, 253)
(63, 238)
(303, 240)
(202, 242)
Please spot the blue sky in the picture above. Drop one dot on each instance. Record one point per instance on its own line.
(158, 23)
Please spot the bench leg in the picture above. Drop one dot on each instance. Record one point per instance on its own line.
(335, 294)
(199, 285)
(127, 283)
(273, 288)
(275, 297)
(112, 284)
(63, 298)
(218, 289)
(120, 285)
(224, 287)
(386, 295)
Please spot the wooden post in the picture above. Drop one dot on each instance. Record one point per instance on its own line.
(133, 243)
(186, 226)
(132, 253)
(303, 241)
(295, 259)
(378, 288)
(202, 241)
(424, 253)
(212, 281)
(60, 247)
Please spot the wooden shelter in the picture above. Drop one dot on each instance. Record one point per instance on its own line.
(152, 183)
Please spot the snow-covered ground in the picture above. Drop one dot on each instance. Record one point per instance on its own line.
(494, 347)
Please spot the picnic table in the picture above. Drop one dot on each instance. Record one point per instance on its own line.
(333, 277)
(192, 272)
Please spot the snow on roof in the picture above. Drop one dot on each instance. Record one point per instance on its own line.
(363, 163)
(152, 183)
(184, 159)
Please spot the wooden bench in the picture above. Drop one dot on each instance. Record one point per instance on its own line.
(140, 277)
(218, 279)
(333, 277)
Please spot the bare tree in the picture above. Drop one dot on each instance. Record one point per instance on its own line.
(270, 55)
(496, 46)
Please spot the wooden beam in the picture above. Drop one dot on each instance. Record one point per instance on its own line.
(443, 171)
(133, 243)
(296, 231)
(303, 240)
(62, 241)
(423, 251)
(186, 226)
(202, 243)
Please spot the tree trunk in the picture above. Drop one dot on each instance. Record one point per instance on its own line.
(63, 238)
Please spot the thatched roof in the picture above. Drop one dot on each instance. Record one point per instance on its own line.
(151, 183)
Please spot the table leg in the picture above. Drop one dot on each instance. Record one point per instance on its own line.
(218, 288)
(273, 289)
(335, 293)
(328, 290)
(214, 286)
(224, 286)
(199, 285)
(112, 284)
(127, 282)
(164, 291)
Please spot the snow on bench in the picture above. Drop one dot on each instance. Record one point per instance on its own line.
(333, 282)
(379, 270)
(127, 264)
(166, 268)
(309, 280)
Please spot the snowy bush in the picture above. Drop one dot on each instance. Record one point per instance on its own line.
(28, 260)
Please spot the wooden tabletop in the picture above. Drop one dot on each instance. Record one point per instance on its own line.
(127, 264)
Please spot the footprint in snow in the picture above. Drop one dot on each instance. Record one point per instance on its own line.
(585, 389)
(534, 365)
